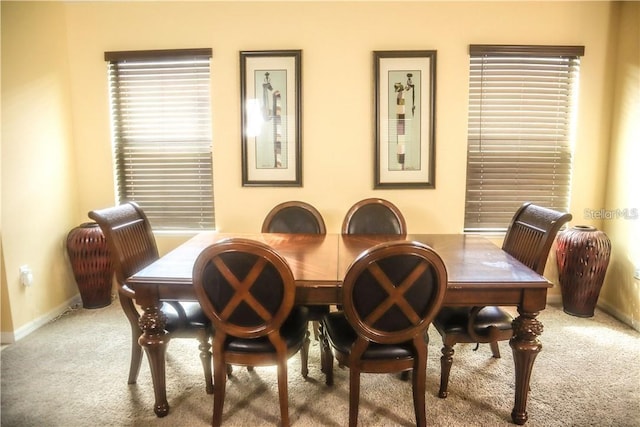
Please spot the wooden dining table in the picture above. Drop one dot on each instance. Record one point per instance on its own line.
(479, 273)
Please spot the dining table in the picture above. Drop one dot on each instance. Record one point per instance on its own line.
(479, 273)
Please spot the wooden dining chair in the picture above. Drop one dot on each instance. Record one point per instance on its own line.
(132, 246)
(294, 217)
(298, 217)
(248, 291)
(528, 239)
(374, 216)
(390, 295)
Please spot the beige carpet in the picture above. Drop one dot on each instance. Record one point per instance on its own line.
(73, 372)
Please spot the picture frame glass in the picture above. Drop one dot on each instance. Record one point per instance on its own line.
(405, 101)
(270, 152)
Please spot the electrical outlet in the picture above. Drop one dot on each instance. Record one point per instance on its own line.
(26, 276)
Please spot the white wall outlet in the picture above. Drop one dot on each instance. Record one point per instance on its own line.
(26, 276)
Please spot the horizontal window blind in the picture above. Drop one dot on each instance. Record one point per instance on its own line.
(161, 120)
(521, 100)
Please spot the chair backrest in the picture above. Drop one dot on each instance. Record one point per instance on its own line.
(294, 217)
(531, 234)
(130, 238)
(374, 216)
(393, 291)
(245, 287)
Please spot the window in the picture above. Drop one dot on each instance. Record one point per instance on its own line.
(161, 123)
(521, 102)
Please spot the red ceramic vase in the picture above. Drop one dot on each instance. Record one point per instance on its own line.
(91, 264)
(583, 257)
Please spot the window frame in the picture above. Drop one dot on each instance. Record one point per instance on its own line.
(162, 151)
(490, 198)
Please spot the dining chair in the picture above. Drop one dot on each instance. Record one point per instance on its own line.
(294, 217)
(528, 239)
(390, 294)
(374, 216)
(248, 291)
(132, 245)
(298, 217)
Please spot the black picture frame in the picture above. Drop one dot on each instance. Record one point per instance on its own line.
(405, 87)
(271, 119)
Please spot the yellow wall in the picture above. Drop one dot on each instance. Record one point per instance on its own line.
(621, 292)
(337, 40)
(39, 201)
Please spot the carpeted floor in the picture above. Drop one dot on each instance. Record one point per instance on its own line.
(73, 372)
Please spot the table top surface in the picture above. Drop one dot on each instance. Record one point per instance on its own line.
(319, 260)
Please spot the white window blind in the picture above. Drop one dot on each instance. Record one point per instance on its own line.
(161, 120)
(521, 100)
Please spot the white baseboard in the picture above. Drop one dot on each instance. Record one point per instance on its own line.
(554, 298)
(23, 331)
(604, 306)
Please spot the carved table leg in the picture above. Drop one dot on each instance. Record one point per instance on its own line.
(525, 346)
(154, 340)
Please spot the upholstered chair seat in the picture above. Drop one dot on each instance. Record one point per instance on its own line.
(292, 331)
(342, 337)
(455, 320)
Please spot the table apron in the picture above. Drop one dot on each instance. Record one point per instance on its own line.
(530, 300)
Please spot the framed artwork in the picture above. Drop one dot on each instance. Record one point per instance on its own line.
(270, 89)
(405, 118)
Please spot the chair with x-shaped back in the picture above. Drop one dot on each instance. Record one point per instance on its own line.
(132, 246)
(390, 294)
(528, 239)
(248, 291)
(298, 218)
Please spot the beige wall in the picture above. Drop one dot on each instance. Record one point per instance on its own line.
(337, 40)
(39, 191)
(621, 291)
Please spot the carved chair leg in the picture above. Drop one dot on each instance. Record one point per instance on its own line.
(323, 362)
(205, 358)
(354, 396)
(445, 369)
(419, 387)
(136, 355)
(219, 385)
(283, 392)
(304, 356)
(326, 356)
(316, 329)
